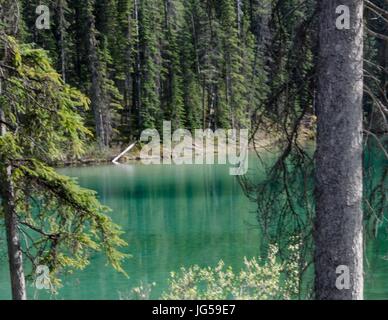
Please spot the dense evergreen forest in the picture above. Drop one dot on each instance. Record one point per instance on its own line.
(111, 68)
(197, 63)
(200, 64)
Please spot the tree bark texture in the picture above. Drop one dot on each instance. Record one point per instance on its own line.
(338, 230)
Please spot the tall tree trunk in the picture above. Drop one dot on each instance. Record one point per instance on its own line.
(168, 95)
(7, 195)
(78, 43)
(98, 96)
(338, 227)
(137, 75)
(61, 36)
(128, 61)
(15, 254)
(239, 14)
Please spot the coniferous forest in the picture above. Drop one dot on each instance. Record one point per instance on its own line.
(139, 62)
(82, 80)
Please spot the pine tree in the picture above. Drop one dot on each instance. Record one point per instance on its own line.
(123, 57)
(190, 68)
(98, 77)
(172, 96)
(149, 45)
(40, 124)
(61, 36)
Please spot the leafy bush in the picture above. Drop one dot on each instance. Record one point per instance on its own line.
(259, 279)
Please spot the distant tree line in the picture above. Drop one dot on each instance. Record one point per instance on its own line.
(194, 62)
(201, 64)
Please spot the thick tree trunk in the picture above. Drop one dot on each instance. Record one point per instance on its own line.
(338, 227)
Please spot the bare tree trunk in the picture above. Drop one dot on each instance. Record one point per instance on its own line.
(61, 37)
(7, 194)
(338, 227)
(15, 254)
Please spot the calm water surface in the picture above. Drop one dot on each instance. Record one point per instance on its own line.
(176, 216)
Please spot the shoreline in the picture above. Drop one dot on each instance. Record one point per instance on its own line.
(263, 142)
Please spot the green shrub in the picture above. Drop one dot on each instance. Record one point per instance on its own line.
(257, 280)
